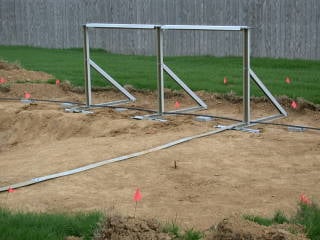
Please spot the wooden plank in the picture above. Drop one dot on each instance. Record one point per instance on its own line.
(73, 36)
(289, 28)
(311, 30)
(234, 36)
(317, 38)
(281, 29)
(255, 20)
(56, 29)
(275, 41)
(7, 25)
(199, 44)
(300, 30)
(206, 20)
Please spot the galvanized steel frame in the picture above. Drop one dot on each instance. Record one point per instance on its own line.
(162, 68)
(88, 63)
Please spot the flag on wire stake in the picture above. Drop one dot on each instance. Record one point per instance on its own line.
(177, 104)
(27, 95)
(10, 190)
(225, 80)
(137, 197)
(304, 199)
(57, 82)
(2, 80)
(294, 104)
(288, 81)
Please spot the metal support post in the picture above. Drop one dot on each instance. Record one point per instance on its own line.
(87, 70)
(160, 69)
(246, 76)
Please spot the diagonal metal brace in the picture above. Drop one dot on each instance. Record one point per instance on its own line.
(184, 86)
(111, 80)
(266, 91)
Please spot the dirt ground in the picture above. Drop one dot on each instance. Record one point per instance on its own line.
(227, 174)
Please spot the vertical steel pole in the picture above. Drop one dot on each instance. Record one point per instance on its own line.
(160, 69)
(87, 70)
(246, 76)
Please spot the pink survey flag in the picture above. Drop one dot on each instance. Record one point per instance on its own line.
(304, 199)
(176, 104)
(2, 80)
(11, 190)
(225, 80)
(57, 82)
(294, 104)
(288, 80)
(27, 95)
(137, 195)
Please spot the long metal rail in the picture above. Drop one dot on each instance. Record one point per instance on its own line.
(117, 159)
(204, 27)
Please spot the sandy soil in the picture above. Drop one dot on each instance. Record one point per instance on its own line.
(231, 173)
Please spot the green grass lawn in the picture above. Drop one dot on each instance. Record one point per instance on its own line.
(308, 215)
(200, 72)
(39, 226)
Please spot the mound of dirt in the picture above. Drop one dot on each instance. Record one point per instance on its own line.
(128, 228)
(13, 72)
(233, 228)
(8, 66)
(239, 229)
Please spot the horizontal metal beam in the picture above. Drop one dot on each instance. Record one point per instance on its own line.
(166, 27)
(118, 26)
(113, 103)
(185, 110)
(204, 27)
(268, 118)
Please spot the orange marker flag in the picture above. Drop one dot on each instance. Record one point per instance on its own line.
(57, 82)
(177, 104)
(294, 104)
(2, 80)
(27, 95)
(304, 199)
(288, 81)
(11, 190)
(225, 80)
(137, 195)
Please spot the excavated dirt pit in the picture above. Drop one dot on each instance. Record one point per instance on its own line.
(227, 174)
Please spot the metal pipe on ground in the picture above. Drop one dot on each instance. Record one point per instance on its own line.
(117, 159)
